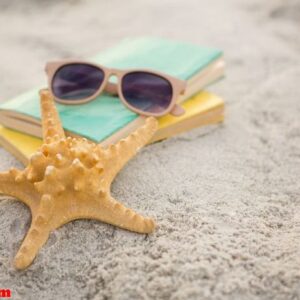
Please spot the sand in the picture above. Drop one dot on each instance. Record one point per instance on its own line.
(226, 198)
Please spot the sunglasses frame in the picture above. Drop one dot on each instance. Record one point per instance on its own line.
(178, 85)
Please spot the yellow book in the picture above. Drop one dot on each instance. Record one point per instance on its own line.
(202, 109)
(21, 145)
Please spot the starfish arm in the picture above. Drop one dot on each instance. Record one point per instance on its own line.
(125, 149)
(115, 213)
(37, 235)
(51, 124)
(12, 183)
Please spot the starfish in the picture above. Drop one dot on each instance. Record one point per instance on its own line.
(70, 178)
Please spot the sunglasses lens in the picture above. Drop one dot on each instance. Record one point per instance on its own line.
(147, 92)
(76, 81)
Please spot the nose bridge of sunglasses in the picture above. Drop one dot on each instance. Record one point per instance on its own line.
(112, 84)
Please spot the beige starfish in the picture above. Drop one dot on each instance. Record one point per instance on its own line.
(70, 179)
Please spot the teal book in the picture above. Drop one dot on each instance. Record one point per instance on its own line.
(106, 119)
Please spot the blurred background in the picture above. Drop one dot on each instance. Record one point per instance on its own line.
(259, 38)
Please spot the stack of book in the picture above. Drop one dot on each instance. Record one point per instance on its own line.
(106, 119)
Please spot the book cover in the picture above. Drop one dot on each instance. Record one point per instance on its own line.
(200, 110)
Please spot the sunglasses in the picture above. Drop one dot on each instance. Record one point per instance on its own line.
(145, 92)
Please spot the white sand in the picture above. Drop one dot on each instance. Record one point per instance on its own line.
(226, 198)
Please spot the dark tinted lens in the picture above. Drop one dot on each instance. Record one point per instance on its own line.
(76, 81)
(147, 92)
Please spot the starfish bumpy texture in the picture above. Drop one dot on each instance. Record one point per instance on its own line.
(69, 179)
